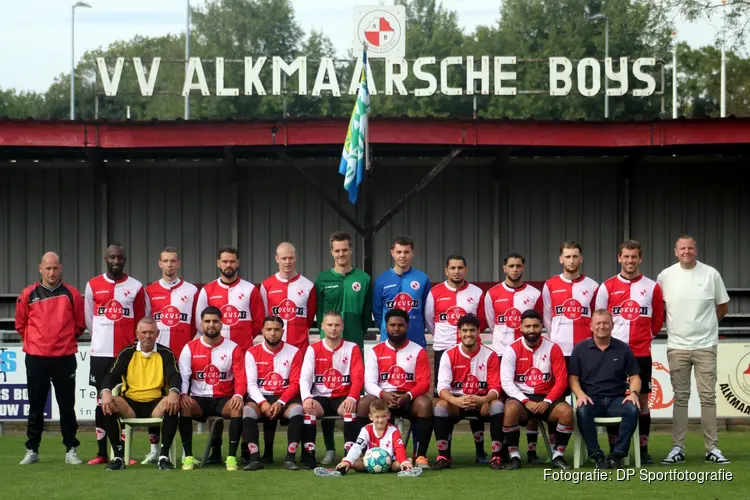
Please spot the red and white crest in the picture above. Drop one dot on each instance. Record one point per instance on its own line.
(415, 285)
(356, 286)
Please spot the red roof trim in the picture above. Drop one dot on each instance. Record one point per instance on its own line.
(177, 134)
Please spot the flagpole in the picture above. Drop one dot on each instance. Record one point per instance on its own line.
(368, 166)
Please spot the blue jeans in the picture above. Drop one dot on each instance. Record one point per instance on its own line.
(607, 407)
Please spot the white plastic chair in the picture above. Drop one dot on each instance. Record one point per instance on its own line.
(130, 423)
(579, 446)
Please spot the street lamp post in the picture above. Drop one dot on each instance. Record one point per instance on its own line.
(597, 17)
(73, 58)
(187, 59)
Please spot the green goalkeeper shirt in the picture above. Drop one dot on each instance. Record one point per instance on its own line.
(351, 295)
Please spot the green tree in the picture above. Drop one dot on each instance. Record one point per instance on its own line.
(699, 82)
(535, 30)
(15, 104)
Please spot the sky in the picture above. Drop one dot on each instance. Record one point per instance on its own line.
(35, 35)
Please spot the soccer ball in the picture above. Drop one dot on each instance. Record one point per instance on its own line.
(377, 460)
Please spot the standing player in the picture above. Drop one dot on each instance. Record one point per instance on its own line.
(172, 303)
(637, 307)
(242, 314)
(331, 382)
(213, 385)
(273, 369)
(568, 300)
(238, 300)
(469, 385)
(347, 290)
(290, 296)
(446, 304)
(114, 303)
(402, 287)
(398, 372)
(534, 376)
(502, 307)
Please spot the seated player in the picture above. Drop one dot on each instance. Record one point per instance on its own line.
(331, 381)
(144, 371)
(379, 434)
(273, 369)
(213, 385)
(398, 372)
(469, 386)
(534, 377)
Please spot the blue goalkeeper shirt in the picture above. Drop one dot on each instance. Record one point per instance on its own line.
(408, 292)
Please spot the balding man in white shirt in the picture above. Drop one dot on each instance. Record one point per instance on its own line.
(695, 300)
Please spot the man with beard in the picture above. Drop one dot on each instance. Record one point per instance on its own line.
(398, 372)
(242, 315)
(213, 385)
(469, 385)
(114, 303)
(290, 296)
(273, 370)
(172, 303)
(534, 377)
(331, 382)
(347, 290)
(446, 304)
(568, 300)
(502, 307)
(637, 306)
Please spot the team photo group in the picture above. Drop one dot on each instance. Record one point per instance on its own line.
(559, 357)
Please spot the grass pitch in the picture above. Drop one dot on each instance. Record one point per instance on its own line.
(53, 479)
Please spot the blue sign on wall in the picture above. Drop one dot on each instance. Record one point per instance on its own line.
(14, 402)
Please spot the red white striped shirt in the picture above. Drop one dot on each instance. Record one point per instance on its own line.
(444, 307)
(503, 306)
(406, 370)
(173, 308)
(540, 371)
(112, 310)
(637, 307)
(390, 441)
(334, 373)
(474, 374)
(212, 371)
(295, 302)
(272, 373)
(241, 308)
(567, 310)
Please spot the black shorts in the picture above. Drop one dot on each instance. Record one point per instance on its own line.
(644, 363)
(210, 407)
(544, 416)
(436, 369)
(330, 405)
(403, 411)
(282, 419)
(99, 367)
(567, 368)
(142, 409)
(462, 414)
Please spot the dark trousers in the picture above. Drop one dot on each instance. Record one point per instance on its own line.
(607, 407)
(61, 371)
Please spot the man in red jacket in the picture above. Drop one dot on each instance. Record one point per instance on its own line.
(50, 318)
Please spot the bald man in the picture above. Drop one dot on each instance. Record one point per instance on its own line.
(290, 296)
(113, 304)
(50, 318)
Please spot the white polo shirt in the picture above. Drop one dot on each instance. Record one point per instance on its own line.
(691, 297)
